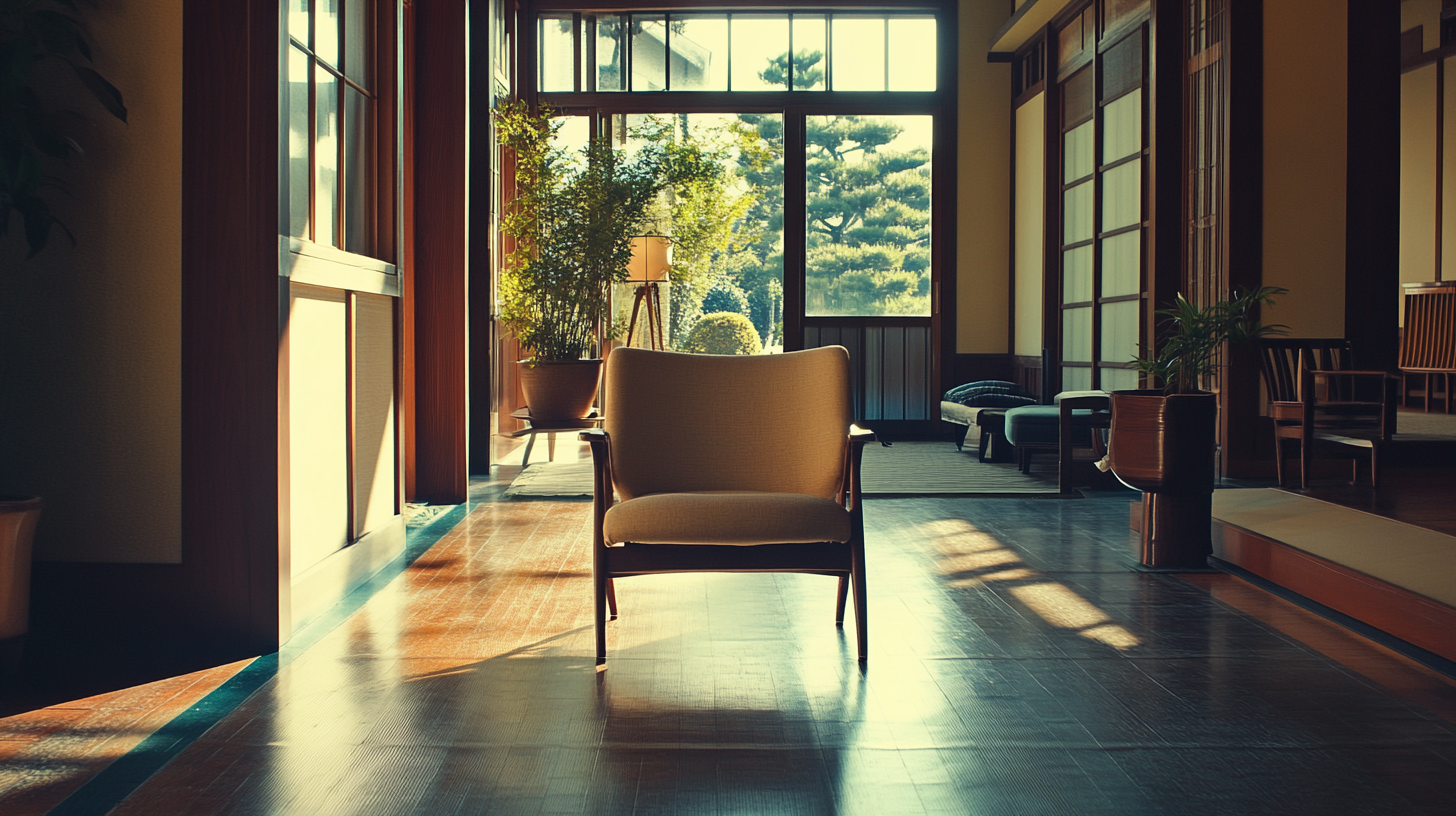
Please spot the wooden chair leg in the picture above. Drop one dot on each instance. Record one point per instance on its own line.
(599, 598)
(861, 622)
(612, 598)
(1306, 456)
(839, 601)
(1279, 458)
(1375, 466)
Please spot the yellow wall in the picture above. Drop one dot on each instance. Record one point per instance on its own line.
(90, 338)
(1030, 237)
(984, 184)
(1418, 174)
(1305, 120)
(1448, 179)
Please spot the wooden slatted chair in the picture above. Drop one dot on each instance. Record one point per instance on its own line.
(1315, 396)
(727, 464)
(1428, 343)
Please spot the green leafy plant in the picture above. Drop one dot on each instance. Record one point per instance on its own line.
(573, 223)
(1194, 334)
(36, 35)
(723, 333)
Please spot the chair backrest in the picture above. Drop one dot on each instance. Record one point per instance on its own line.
(1283, 358)
(1428, 342)
(688, 422)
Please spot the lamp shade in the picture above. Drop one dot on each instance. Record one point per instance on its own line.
(651, 259)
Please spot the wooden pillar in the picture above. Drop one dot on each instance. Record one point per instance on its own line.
(230, 577)
(1244, 433)
(481, 227)
(1372, 232)
(440, 249)
(1166, 78)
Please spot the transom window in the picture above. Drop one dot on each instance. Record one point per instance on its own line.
(736, 52)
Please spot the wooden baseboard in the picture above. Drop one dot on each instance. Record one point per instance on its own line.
(1416, 619)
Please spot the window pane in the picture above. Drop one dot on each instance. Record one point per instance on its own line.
(649, 53)
(1069, 42)
(357, 43)
(300, 139)
(810, 42)
(1119, 331)
(868, 202)
(1122, 127)
(700, 54)
(760, 53)
(1077, 213)
(573, 135)
(558, 54)
(609, 53)
(326, 157)
(1076, 379)
(1077, 275)
(299, 12)
(326, 30)
(1077, 153)
(1122, 196)
(1119, 379)
(1077, 334)
(357, 175)
(858, 53)
(912, 54)
(710, 273)
(1115, 11)
(1120, 257)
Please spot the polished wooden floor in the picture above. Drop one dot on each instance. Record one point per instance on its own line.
(1017, 666)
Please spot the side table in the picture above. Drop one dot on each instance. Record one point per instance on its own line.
(550, 427)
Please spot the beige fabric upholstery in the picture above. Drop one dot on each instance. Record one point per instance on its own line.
(691, 423)
(726, 518)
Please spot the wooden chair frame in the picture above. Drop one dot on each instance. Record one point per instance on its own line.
(1101, 419)
(844, 560)
(1295, 371)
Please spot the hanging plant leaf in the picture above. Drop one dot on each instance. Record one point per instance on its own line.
(105, 92)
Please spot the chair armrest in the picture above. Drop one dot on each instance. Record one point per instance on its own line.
(1324, 373)
(603, 495)
(849, 493)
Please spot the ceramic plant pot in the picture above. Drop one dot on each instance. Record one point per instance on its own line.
(560, 390)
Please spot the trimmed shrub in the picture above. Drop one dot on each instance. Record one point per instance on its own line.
(725, 296)
(723, 333)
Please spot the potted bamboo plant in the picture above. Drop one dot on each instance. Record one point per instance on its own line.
(573, 219)
(1162, 439)
(39, 39)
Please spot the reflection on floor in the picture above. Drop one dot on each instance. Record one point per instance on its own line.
(1016, 666)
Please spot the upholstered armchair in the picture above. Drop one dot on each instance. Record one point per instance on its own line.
(727, 464)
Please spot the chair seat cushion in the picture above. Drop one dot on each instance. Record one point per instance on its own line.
(1040, 425)
(726, 518)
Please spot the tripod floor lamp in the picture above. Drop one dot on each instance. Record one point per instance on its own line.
(651, 259)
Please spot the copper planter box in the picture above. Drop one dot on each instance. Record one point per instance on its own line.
(1164, 446)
